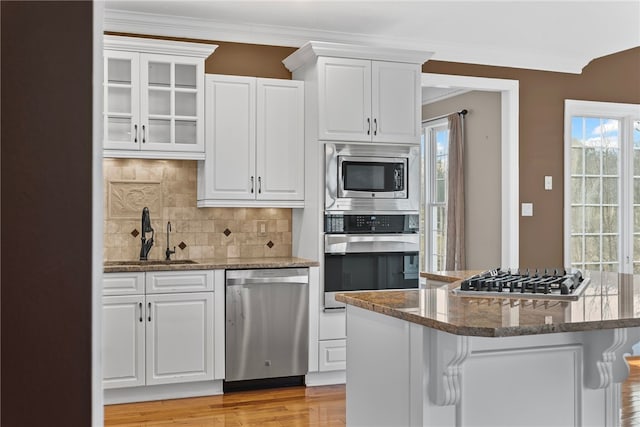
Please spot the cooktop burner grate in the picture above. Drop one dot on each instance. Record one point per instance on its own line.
(539, 284)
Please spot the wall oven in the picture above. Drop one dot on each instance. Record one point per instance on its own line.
(369, 252)
(371, 178)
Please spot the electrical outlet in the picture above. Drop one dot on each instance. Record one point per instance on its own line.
(262, 228)
(548, 182)
(527, 209)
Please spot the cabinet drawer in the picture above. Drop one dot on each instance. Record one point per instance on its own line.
(123, 283)
(161, 282)
(333, 325)
(333, 355)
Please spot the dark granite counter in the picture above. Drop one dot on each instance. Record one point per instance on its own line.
(610, 301)
(207, 264)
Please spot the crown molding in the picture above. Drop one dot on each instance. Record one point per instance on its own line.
(204, 29)
(167, 47)
(309, 52)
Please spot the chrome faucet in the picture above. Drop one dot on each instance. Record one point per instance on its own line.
(168, 252)
(146, 228)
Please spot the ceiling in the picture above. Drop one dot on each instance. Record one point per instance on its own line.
(561, 35)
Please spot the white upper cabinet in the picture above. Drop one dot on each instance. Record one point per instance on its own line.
(364, 94)
(254, 143)
(363, 100)
(154, 98)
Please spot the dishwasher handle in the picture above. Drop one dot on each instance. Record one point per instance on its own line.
(267, 276)
(301, 280)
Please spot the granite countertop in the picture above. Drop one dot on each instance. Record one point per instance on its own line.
(207, 264)
(611, 300)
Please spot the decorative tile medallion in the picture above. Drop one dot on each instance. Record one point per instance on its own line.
(182, 245)
(270, 244)
(135, 233)
(127, 198)
(226, 232)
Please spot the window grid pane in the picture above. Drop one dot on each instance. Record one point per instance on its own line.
(438, 143)
(594, 193)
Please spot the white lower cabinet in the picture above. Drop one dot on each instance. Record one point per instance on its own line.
(123, 327)
(179, 339)
(159, 338)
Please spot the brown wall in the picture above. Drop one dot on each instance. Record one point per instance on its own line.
(613, 78)
(46, 81)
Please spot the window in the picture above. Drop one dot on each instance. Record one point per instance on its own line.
(435, 143)
(602, 186)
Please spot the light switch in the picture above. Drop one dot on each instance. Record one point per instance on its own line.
(527, 209)
(548, 182)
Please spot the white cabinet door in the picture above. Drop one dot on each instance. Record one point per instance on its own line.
(230, 138)
(254, 143)
(123, 329)
(179, 338)
(171, 103)
(280, 139)
(362, 100)
(345, 99)
(396, 102)
(121, 108)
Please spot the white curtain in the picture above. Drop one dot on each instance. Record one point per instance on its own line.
(455, 250)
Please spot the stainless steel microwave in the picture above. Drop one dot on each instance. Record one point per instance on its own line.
(371, 177)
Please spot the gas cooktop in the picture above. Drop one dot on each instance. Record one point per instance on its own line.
(554, 284)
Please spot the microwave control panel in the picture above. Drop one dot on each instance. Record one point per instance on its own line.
(353, 224)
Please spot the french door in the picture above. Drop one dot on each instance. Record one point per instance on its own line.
(602, 186)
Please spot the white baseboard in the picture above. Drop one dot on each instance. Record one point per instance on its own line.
(314, 379)
(162, 392)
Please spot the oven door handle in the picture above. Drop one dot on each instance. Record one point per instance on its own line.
(349, 243)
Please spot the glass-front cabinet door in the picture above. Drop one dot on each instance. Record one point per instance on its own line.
(154, 98)
(172, 104)
(121, 100)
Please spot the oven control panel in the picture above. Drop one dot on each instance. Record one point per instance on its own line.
(352, 224)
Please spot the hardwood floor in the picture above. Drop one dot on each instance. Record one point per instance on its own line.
(631, 395)
(292, 406)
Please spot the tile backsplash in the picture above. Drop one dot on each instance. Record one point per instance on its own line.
(168, 189)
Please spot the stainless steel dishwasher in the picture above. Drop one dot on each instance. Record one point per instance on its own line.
(267, 323)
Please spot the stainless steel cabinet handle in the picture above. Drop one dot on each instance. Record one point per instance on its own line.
(375, 126)
(149, 312)
(252, 185)
(144, 135)
(140, 307)
(259, 185)
(368, 126)
(135, 137)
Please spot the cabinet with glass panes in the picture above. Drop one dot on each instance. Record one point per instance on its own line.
(154, 98)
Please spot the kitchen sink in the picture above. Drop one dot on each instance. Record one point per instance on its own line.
(151, 262)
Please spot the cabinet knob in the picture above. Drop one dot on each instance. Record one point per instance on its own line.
(252, 185)
(368, 126)
(140, 307)
(144, 135)
(259, 185)
(149, 312)
(135, 133)
(375, 126)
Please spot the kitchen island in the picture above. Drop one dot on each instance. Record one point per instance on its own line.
(430, 357)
